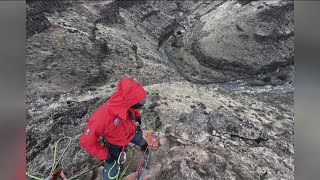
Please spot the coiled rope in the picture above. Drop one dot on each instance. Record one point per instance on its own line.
(55, 164)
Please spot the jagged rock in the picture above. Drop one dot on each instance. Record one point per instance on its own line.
(264, 36)
(78, 50)
(229, 41)
(228, 126)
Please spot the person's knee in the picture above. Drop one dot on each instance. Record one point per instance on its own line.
(137, 136)
(142, 142)
(138, 139)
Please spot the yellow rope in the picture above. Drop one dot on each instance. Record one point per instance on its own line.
(34, 177)
(116, 176)
(55, 164)
(127, 166)
(84, 172)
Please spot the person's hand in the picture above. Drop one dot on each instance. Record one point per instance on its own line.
(138, 130)
(138, 120)
(138, 124)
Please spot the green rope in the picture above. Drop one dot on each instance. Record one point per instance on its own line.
(34, 177)
(55, 164)
(86, 171)
(116, 176)
(127, 166)
(123, 172)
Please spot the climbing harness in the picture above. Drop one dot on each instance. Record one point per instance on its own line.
(153, 142)
(58, 172)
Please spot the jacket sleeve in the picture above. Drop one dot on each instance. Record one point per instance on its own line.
(89, 140)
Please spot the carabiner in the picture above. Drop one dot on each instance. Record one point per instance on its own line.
(122, 160)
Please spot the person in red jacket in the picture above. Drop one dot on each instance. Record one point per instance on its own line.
(115, 121)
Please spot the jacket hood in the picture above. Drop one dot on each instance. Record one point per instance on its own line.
(129, 92)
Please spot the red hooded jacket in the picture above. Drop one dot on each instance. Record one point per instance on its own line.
(111, 119)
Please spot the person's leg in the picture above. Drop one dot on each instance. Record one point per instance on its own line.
(110, 171)
(138, 139)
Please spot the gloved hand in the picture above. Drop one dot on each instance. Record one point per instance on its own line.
(138, 130)
(138, 124)
(138, 120)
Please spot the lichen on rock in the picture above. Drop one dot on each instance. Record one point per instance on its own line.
(219, 77)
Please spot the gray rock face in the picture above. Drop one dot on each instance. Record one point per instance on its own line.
(243, 38)
(185, 53)
(230, 40)
(37, 21)
(240, 151)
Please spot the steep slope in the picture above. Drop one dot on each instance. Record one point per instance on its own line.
(219, 76)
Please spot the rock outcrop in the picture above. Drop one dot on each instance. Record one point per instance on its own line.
(219, 75)
(215, 146)
(230, 40)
